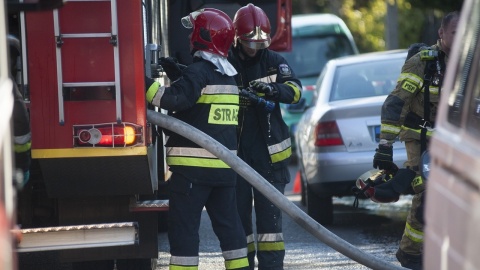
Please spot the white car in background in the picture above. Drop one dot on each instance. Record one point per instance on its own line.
(337, 136)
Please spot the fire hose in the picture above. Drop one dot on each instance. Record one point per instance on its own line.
(276, 197)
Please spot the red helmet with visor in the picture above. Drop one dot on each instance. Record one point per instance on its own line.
(252, 27)
(212, 31)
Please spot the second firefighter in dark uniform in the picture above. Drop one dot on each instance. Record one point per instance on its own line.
(266, 79)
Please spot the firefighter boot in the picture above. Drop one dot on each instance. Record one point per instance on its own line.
(409, 261)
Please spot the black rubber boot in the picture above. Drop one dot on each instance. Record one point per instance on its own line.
(409, 261)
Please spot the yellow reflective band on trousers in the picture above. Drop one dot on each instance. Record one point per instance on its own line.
(271, 242)
(180, 267)
(235, 259)
(250, 243)
(280, 151)
(412, 234)
(236, 263)
(183, 263)
(22, 148)
(296, 89)
(223, 114)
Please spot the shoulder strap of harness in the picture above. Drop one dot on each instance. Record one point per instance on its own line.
(435, 63)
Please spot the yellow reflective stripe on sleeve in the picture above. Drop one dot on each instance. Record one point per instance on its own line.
(280, 151)
(390, 129)
(296, 89)
(281, 156)
(152, 91)
(223, 114)
(412, 234)
(22, 148)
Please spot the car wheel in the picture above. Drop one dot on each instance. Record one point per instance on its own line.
(320, 208)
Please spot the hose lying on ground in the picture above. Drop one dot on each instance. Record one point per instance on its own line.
(276, 197)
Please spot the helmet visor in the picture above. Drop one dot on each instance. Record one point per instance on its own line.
(188, 20)
(257, 45)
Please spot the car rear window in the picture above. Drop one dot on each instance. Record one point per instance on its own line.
(310, 54)
(366, 79)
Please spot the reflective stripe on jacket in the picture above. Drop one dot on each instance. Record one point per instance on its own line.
(270, 67)
(208, 101)
(408, 97)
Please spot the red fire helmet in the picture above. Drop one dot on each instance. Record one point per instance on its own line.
(252, 27)
(212, 30)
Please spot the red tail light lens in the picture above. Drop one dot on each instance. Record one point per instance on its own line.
(309, 87)
(107, 135)
(327, 134)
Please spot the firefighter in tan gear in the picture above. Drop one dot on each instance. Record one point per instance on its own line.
(204, 95)
(409, 113)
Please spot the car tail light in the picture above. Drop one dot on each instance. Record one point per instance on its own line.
(308, 87)
(107, 135)
(327, 134)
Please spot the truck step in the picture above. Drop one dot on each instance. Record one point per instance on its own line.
(149, 205)
(78, 236)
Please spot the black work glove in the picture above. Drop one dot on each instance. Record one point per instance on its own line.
(267, 88)
(383, 159)
(171, 67)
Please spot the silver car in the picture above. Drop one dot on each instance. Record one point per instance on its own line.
(336, 137)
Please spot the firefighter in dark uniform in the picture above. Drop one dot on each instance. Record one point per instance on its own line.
(265, 80)
(204, 95)
(22, 136)
(409, 113)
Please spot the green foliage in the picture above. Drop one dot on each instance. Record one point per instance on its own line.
(417, 20)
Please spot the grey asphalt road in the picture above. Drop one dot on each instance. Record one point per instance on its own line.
(374, 228)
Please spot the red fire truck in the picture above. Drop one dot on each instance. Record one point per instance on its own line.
(97, 187)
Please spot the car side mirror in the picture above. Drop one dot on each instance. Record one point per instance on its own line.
(425, 165)
(299, 107)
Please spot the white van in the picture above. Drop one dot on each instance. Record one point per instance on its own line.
(452, 232)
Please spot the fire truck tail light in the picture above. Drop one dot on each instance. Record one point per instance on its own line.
(107, 135)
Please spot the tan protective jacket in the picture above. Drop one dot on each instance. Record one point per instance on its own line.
(408, 96)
